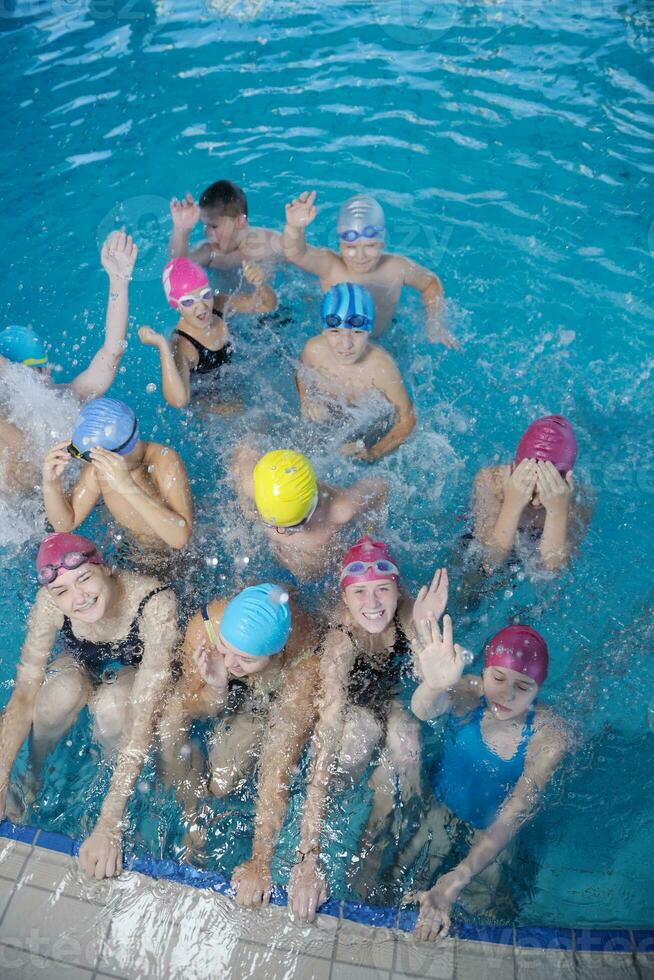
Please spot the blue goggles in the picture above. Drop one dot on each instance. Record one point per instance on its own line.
(355, 321)
(370, 231)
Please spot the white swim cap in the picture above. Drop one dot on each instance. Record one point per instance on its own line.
(362, 216)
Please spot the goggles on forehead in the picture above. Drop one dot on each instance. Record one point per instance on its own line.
(76, 453)
(72, 559)
(382, 566)
(370, 231)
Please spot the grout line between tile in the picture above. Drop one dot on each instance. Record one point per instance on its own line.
(44, 956)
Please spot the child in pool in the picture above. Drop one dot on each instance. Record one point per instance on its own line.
(532, 494)
(201, 341)
(500, 750)
(250, 661)
(231, 240)
(144, 485)
(119, 631)
(19, 472)
(303, 518)
(345, 365)
(362, 259)
(365, 654)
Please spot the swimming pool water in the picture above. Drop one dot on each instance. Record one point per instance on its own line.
(510, 144)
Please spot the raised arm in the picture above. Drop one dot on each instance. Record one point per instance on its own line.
(441, 663)
(262, 300)
(118, 257)
(42, 625)
(497, 536)
(185, 215)
(67, 511)
(292, 718)
(546, 750)
(431, 292)
(555, 492)
(299, 214)
(175, 367)
(100, 855)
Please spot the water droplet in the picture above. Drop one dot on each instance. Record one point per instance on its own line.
(151, 388)
(508, 593)
(143, 787)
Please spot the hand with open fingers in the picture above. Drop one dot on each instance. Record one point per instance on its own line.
(520, 485)
(254, 274)
(113, 469)
(434, 918)
(119, 255)
(211, 667)
(301, 211)
(252, 883)
(442, 661)
(355, 450)
(100, 856)
(431, 601)
(553, 489)
(150, 337)
(307, 888)
(448, 340)
(55, 462)
(185, 213)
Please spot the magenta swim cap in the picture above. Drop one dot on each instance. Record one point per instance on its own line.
(550, 438)
(519, 648)
(182, 276)
(55, 547)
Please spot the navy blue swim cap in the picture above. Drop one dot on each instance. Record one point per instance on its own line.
(347, 305)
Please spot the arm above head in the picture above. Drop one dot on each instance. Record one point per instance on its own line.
(555, 492)
(43, 622)
(185, 215)
(389, 381)
(66, 512)
(431, 292)
(299, 214)
(440, 662)
(118, 257)
(500, 497)
(175, 367)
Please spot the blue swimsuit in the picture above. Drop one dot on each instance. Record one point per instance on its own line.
(472, 780)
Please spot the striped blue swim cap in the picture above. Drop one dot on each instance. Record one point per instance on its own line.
(257, 621)
(23, 346)
(347, 305)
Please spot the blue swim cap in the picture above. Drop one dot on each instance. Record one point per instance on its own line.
(347, 305)
(257, 621)
(22, 345)
(108, 423)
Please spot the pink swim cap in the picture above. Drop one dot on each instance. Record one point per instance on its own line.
(519, 648)
(368, 561)
(181, 276)
(55, 546)
(550, 438)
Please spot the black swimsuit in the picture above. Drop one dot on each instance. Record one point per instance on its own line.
(208, 360)
(373, 684)
(100, 658)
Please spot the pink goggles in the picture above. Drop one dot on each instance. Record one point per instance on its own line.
(369, 571)
(72, 559)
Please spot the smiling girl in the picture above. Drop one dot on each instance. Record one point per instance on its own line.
(500, 750)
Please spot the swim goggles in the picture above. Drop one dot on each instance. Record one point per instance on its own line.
(357, 321)
(76, 453)
(188, 300)
(292, 528)
(370, 231)
(382, 566)
(72, 559)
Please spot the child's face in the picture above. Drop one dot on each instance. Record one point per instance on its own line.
(222, 230)
(363, 255)
(240, 664)
(201, 312)
(82, 592)
(372, 604)
(508, 692)
(346, 344)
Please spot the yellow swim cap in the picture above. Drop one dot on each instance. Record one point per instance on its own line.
(285, 488)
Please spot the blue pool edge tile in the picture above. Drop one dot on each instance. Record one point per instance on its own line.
(389, 917)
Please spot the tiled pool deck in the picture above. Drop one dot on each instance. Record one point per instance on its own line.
(55, 923)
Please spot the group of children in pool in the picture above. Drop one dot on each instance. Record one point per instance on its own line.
(273, 675)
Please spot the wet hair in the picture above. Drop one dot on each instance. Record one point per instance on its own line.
(226, 198)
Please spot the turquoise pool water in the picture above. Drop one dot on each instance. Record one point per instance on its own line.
(510, 144)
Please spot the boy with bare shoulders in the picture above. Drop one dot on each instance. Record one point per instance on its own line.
(223, 210)
(344, 365)
(144, 485)
(362, 259)
(303, 518)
